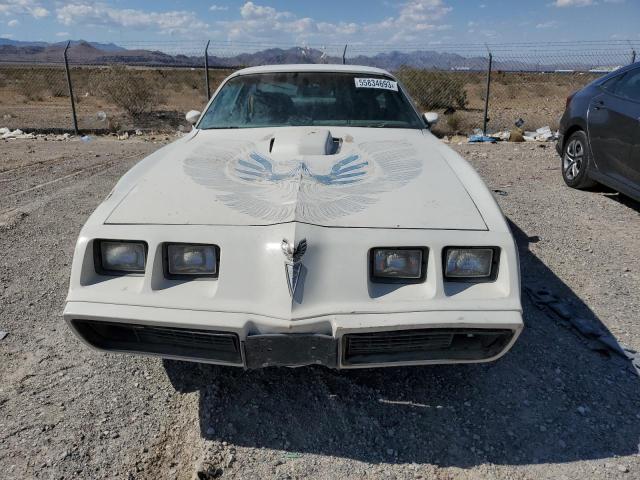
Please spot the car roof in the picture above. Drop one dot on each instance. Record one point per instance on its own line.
(313, 68)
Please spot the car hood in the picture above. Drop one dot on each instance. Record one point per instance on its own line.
(333, 177)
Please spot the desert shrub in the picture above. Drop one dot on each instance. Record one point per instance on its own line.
(454, 122)
(542, 90)
(512, 91)
(32, 85)
(434, 89)
(129, 90)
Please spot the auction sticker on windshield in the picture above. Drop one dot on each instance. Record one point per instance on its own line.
(376, 83)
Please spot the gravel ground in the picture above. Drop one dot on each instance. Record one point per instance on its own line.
(551, 408)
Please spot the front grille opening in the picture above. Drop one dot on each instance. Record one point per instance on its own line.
(424, 344)
(182, 342)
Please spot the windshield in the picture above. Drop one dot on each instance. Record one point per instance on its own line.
(310, 98)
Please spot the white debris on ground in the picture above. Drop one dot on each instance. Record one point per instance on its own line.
(542, 134)
(7, 133)
(502, 136)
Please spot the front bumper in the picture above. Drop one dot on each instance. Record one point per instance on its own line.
(337, 341)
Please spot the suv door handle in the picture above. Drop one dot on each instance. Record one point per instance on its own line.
(599, 104)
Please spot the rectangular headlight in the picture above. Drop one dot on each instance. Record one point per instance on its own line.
(473, 263)
(121, 256)
(192, 259)
(404, 265)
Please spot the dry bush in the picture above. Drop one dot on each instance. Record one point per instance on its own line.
(454, 122)
(434, 89)
(130, 90)
(512, 91)
(33, 88)
(31, 83)
(542, 89)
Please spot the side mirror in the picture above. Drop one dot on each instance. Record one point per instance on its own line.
(430, 118)
(192, 116)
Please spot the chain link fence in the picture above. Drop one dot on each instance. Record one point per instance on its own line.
(150, 86)
(527, 81)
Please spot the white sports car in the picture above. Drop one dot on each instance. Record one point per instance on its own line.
(310, 217)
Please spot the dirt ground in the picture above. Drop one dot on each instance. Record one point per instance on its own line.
(552, 408)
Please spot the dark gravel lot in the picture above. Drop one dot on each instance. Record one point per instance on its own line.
(551, 408)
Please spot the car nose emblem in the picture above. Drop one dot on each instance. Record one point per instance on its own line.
(293, 262)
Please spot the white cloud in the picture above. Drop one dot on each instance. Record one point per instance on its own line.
(410, 21)
(39, 12)
(549, 24)
(6, 35)
(572, 3)
(251, 11)
(62, 34)
(23, 7)
(413, 21)
(489, 33)
(13, 23)
(581, 3)
(105, 15)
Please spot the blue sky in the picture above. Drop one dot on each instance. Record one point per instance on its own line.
(420, 22)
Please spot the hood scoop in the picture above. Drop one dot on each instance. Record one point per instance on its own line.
(295, 143)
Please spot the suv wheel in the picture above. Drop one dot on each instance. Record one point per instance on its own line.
(576, 159)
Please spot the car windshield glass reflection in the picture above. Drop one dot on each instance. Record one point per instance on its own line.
(306, 99)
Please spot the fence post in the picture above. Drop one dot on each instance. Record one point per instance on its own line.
(344, 54)
(206, 69)
(73, 102)
(633, 55)
(486, 97)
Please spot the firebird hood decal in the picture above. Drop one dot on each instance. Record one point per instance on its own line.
(377, 178)
(312, 189)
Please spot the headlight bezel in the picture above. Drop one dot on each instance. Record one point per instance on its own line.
(98, 259)
(399, 280)
(189, 276)
(495, 262)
